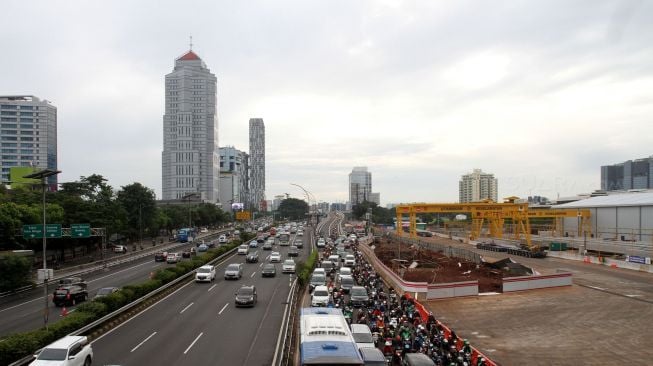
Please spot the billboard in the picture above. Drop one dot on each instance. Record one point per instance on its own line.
(237, 206)
(243, 215)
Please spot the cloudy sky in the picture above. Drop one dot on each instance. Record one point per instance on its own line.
(540, 93)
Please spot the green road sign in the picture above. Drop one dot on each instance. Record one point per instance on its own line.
(36, 231)
(80, 230)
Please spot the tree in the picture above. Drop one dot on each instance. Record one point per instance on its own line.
(139, 205)
(15, 272)
(293, 209)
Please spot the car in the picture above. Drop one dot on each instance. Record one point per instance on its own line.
(202, 248)
(233, 271)
(346, 283)
(350, 260)
(299, 243)
(204, 230)
(243, 249)
(160, 256)
(104, 291)
(321, 243)
(372, 356)
(288, 266)
(73, 280)
(358, 296)
(362, 335)
(187, 253)
(269, 270)
(222, 239)
(252, 257)
(317, 279)
(205, 273)
(236, 232)
(120, 249)
(320, 296)
(69, 295)
(267, 246)
(246, 296)
(334, 259)
(275, 257)
(300, 233)
(173, 258)
(319, 270)
(253, 244)
(66, 351)
(293, 251)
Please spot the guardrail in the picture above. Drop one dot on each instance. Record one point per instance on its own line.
(26, 360)
(106, 263)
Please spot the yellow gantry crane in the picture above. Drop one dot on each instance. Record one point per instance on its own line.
(494, 215)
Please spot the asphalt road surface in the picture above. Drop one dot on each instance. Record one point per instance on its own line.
(198, 324)
(25, 312)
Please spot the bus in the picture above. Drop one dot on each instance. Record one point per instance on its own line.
(185, 235)
(325, 338)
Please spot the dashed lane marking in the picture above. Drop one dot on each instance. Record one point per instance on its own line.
(144, 340)
(212, 287)
(224, 307)
(191, 345)
(184, 309)
(253, 274)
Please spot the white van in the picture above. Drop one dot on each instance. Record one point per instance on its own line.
(205, 274)
(362, 335)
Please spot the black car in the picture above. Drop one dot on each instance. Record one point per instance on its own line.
(299, 243)
(293, 251)
(269, 270)
(69, 295)
(252, 257)
(246, 296)
(358, 296)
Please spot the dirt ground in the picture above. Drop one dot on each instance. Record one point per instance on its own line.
(435, 267)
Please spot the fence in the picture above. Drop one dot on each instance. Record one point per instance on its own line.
(449, 251)
(521, 283)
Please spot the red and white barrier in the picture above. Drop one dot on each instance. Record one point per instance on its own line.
(523, 283)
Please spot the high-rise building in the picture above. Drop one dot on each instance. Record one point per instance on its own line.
(28, 134)
(360, 185)
(190, 157)
(477, 186)
(376, 198)
(234, 177)
(631, 174)
(256, 163)
(338, 206)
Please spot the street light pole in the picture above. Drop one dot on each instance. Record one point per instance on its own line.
(42, 175)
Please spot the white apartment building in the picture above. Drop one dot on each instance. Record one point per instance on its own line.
(477, 186)
(234, 177)
(28, 134)
(190, 157)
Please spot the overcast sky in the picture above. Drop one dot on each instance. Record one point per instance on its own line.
(540, 93)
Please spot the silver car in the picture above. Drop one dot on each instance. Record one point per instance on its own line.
(233, 271)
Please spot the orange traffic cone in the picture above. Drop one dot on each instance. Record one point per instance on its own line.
(64, 311)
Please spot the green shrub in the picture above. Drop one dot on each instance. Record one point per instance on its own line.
(113, 301)
(97, 308)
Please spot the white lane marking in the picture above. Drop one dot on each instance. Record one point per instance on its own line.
(212, 287)
(260, 265)
(253, 274)
(597, 288)
(633, 295)
(191, 345)
(189, 305)
(144, 340)
(224, 307)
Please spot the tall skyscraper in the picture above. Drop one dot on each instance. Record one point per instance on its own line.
(631, 174)
(190, 158)
(234, 177)
(28, 134)
(360, 185)
(256, 163)
(477, 186)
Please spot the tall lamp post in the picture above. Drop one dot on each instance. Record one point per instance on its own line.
(188, 197)
(42, 175)
(308, 198)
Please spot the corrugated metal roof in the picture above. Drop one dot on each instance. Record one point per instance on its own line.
(611, 200)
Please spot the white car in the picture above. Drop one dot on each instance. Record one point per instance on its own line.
(222, 239)
(362, 335)
(321, 243)
(205, 274)
(173, 257)
(67, 351)
(320, 296)
(344, 271)
(300, 233)
(275, 257)
(204, 230)
(350, 260)
(288, 266)
(243, 249)
(120, 249)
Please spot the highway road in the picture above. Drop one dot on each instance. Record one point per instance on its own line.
(199, 324)
(25, 312)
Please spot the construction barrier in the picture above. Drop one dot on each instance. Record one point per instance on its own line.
(522, 283)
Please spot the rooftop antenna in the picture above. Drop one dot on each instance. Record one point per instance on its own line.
(191, 42)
